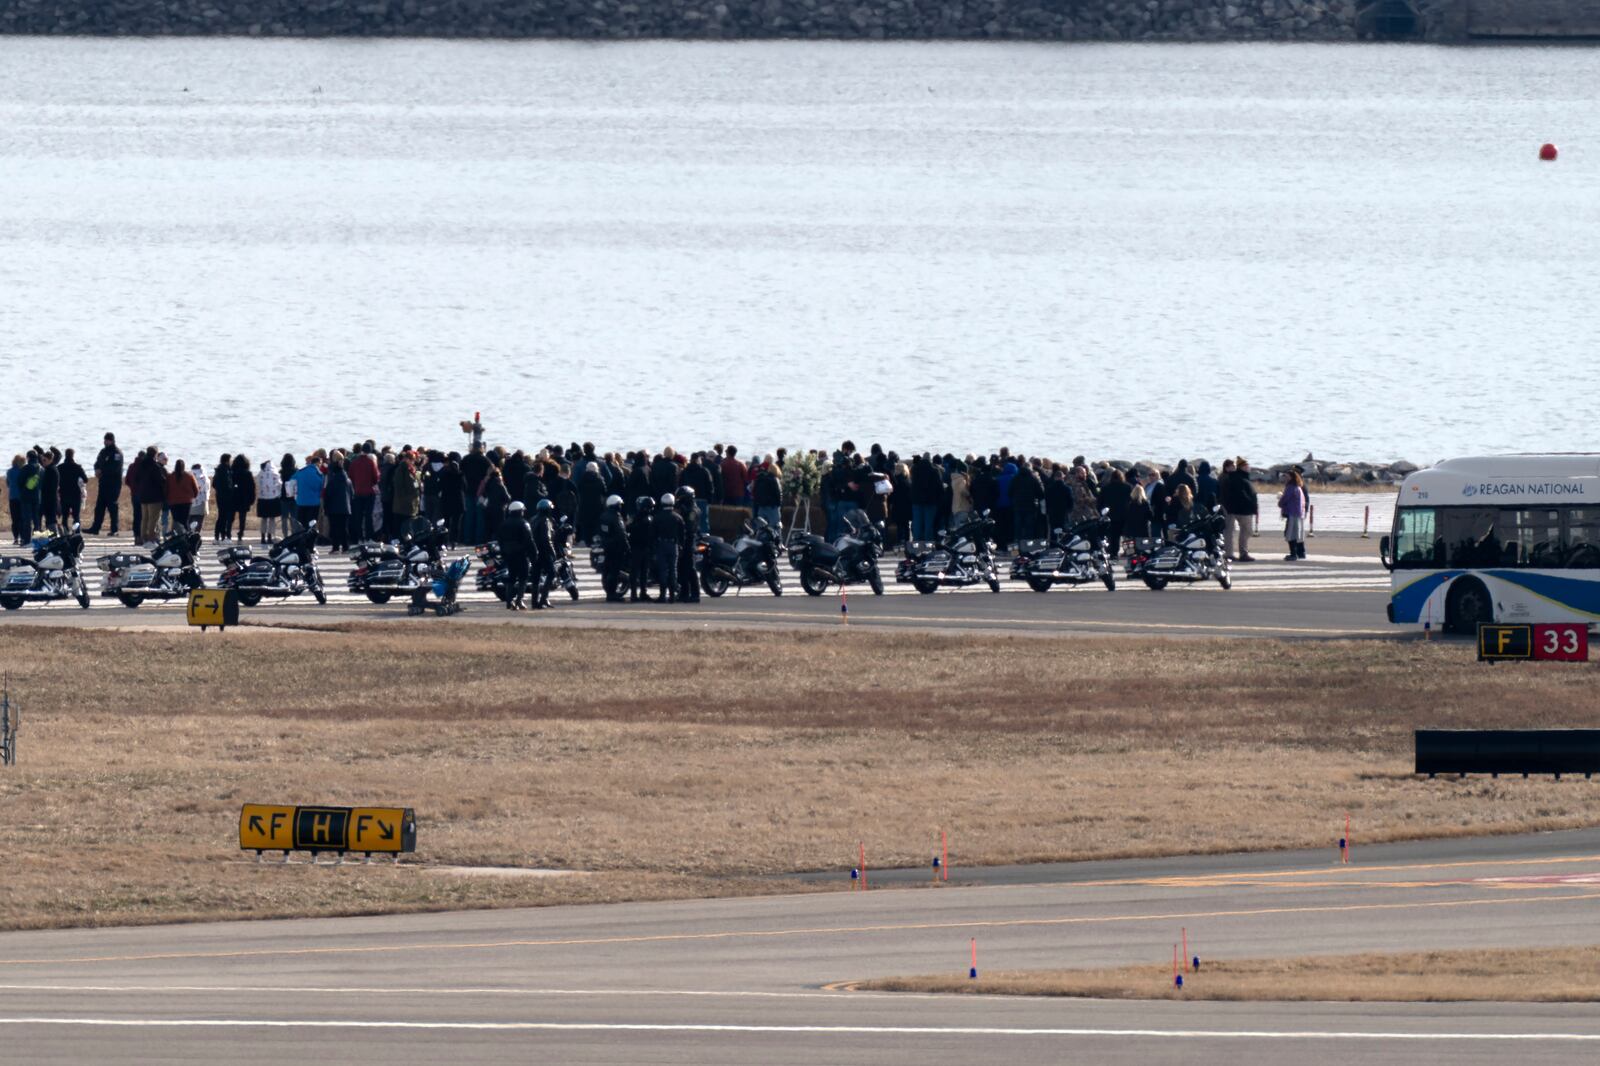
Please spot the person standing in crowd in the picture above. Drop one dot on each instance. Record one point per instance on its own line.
(364, 490)
(243, 495)
(1180, 509)
(452, 499)
(544, 552)
(222, 487)
(202, 498)
(31, 481)
(1182, 476)
(515, 537)
(669, 533)
(1137, 519)
(734, 476)
(337, 500)
(688, 579)
(1305, 492)
(1292, 506)
(73, 482)
(286, 472)
(474, 467)
(1206, 487)
(269, 502)
(152, 495)
(591, 502)
(1057, 501)
(14, 498)
(927, 490)
(1027, 495)
(307, 482)
(1240, 504)
(767, 495)
(407, 489)
(642, 539)
(180, 493)
(131, 478)
(664, 473)
(49, 489)
(166, 511)
(1116, 496)
(612, 535)
(493, 497)
(108, 484)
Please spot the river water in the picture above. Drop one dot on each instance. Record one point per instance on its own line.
(1123, 250)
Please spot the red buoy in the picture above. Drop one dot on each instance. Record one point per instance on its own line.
(1547, 152)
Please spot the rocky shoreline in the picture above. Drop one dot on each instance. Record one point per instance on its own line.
(1317, 471)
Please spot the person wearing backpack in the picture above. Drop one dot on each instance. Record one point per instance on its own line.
(31, 480)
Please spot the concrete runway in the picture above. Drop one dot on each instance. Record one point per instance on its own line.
(1340, 591)
(748, 980)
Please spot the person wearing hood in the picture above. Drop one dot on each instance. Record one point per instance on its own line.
(1004, 517)
(1206, 487)
(1027, 498)
(591, 501)
(1116, 496)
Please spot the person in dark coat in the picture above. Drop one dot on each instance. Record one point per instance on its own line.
(1057, 500)
(49, 489)
(669, 530)
(72, 479)
(516, 551)
(338, 500)
(452, 498)
(642, 539)
(1027, 494)
(222, 492)
(1240, 504)
(664, 474)
(244, 492)
(612, 535)
(1116, 496)
(1206, 487)
(927, 492)
(688, 576)
(108, 484)
(1137, 518)
(544, 552)
(591, 502)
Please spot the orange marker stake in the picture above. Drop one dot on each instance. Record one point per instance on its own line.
(1346, 836)
(1186, 942)
(944, 854)
(863, 865)
(972, 974)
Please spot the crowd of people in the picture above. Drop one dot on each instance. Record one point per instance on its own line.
(366, 492)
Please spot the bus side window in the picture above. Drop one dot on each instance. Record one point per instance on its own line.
(1583, 539)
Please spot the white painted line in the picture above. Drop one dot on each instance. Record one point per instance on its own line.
(187, 990)
(822, 1030)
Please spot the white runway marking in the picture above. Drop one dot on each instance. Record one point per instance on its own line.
(349, 991)
(821, 1030)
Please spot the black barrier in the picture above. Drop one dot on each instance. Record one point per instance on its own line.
(1508, 751)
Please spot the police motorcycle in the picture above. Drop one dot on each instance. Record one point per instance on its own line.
(752, 559)
(50, 573)
(566, 573)
(850, 560)
(1076, 555)
(290, 568)
(1190, 553)
(400, 568)
(961, 555)
(169, 571)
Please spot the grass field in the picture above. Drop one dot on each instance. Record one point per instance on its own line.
(1546, 975)
(677, 764)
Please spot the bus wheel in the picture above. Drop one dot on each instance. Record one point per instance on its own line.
(1467, 606)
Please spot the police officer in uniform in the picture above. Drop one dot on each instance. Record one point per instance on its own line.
(670, 530)
(612, 533)
(544, 547)
(108, 484)
(516, 545)
(688, 577)
(642, 537)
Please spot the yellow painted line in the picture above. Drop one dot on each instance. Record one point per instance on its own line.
(765, 934)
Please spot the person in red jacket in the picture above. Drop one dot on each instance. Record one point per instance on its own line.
(181, 490)
(734, 475)
(364, 486)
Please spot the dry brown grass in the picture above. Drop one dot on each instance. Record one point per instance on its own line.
(671, 762)
(1546, 975)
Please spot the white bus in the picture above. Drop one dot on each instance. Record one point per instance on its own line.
(1503, 538)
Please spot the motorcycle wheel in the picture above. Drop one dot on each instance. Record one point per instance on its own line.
(249, 599)
(994, 584)
(714, 586)
(129, 601)
(1039, 584)
(875, 579)
(814, 586)
(1154, 583)
(774, 583)
(924, 586)
(378, 597)
(11, 603)
(1110, 578)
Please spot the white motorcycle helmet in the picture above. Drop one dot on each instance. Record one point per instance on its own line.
(667, 499)
(516, 507)
(613, 500)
